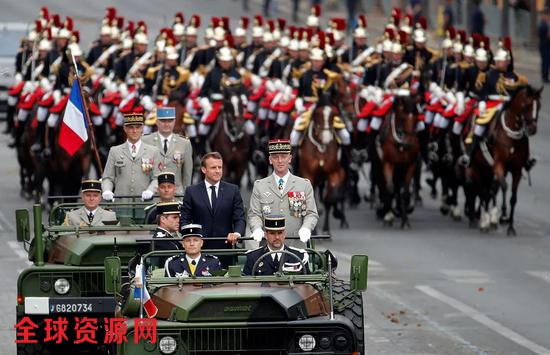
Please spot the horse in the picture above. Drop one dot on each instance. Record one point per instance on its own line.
(229, 137)
(398, 157)
(25, 157)
(319, 161)
(319, 150)
(510, 141)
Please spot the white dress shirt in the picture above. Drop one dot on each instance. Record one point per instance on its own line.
(285, 179)
(137, 144)
(162, 138)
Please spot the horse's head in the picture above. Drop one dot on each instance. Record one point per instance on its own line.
(524, 107)
(233, 107)
(406, 113)
(321, 123)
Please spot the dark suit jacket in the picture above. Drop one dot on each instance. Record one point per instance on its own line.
(267, 265)
(228, 216)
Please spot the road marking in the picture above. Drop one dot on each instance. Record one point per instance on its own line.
(4, 220)
(18, 250)
(383, 282)
(543, 275)
(373, 265)
(424, 318)
(486, 321)
(466, 276)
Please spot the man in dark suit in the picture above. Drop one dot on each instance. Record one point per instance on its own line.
(275, 234)
(192, 263)
(214, 204)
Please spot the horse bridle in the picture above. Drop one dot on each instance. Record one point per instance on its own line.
(326, 132)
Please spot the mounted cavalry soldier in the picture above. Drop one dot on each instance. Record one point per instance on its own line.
(192, 263)
(133, 62)
(132, 167)
(90, 214)
(500, 82)
(175, 151)
(283, 193)
(275, 234)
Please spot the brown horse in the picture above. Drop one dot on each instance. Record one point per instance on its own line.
(25, 157)
(229, 137)
(399, 149)
(510, 142)
(320, 164)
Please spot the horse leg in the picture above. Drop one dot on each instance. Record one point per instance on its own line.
(405, 195)
(388, 172)
(504, 206)
(516, 176)
(498, 183)
(417, 179)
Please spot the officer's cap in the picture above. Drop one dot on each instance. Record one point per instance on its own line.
(274, 222)
(275, 146)
(166, 177)
(134, 118)
(91, 185)
(191, 230)
(166, 208)
(166, 113)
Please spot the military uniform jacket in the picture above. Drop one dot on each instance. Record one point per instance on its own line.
(125, 175)
(177, 266)
(266, 199)
(498, 82)
(79, 217)
(212, 82)
(168, 244)
(178, 159)
(305, 90)
(151, 213)
(268, 267)
(173, 79)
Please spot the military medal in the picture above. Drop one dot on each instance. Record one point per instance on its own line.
(146, 165)
(177, 158)
(297, 203)
(266, 209)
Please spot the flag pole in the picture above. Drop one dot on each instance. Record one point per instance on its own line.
(88, 121)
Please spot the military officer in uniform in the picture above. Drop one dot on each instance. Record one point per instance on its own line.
(90, 214)
(175, 151)
(132, 167)
(283, 193)
(167, 193)
(275, 235)
(192, 263)
(168, 224)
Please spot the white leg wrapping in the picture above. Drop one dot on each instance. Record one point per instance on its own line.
(344, 136)
(420, 126)
(282, 118)
(438, 120)
(204, 129)
(479, 130)
(444, 122)
(12, 100)
(52, 120)
(22, 115)
(119, 119)
(457, 128)
(262, 113)
(42, 113)
(97, 120)
(251, 106)
(375, 123)
(295, 138)
(105, 110)
(191, 131)
(362, 124)
(249, 127)
(429, 117)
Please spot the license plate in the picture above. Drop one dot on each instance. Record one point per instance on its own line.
(82, 305)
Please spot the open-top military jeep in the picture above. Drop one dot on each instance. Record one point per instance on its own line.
(83, 272)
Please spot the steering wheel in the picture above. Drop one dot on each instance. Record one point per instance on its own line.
(280, 264)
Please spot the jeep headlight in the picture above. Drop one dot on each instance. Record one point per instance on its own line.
(306, 342)
(167, 345)
(61, 286)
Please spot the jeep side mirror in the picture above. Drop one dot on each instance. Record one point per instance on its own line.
(358, 272)
(112, 275)
(22, 225)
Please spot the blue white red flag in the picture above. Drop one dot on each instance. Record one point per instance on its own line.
(74, 129)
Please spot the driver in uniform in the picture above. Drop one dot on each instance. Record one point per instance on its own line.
(275, 234)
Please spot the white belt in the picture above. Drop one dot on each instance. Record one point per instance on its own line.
(499, 98)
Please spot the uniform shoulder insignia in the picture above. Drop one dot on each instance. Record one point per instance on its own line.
(151, 72)
(253, 250)
(297, 249)
(182, 136)
(210, 256)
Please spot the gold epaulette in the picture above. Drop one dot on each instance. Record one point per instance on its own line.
(184, 75)
(151, 71)
(345, 67)
(305, 67)
(480, 80)
(464, 65)
(373, 62)
(332, 75)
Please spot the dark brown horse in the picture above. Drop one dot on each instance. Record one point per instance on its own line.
(229, 137)
(399, 149)
(25, 157)
(510, 142)
(320, 164)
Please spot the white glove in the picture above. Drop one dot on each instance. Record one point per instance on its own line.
(146, 195)
(108, 195)
(258, 235)
(482, 106)
(305, 234)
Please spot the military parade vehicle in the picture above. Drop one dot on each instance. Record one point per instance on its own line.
(84, 272)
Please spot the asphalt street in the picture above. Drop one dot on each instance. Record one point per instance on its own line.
(438, 288)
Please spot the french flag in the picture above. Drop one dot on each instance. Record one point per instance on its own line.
(74, 129)
(140, 286)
